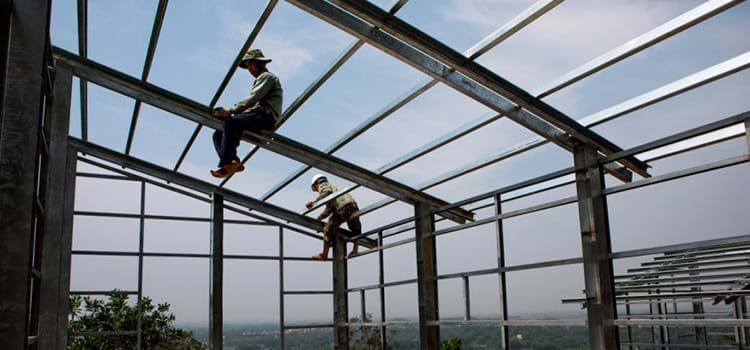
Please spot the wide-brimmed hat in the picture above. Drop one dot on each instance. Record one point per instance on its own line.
(253, 55)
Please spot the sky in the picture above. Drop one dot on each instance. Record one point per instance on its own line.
(200, 39)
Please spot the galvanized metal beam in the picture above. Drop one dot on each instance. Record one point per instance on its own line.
(432, 67)
(196, 112)
(352, 172)
(416, 153)
(19, 134)
(427, 287)
(654, 36)
(233, 68)
(246, 212)
(195, 184)
(501, 34)
(57, 164)
(688, 83)
(442, 54)
(153, 41)
(595, 239)
(216, 279)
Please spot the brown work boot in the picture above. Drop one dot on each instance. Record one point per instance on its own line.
(228, 170)
(236, 167)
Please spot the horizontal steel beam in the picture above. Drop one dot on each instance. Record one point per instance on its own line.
(188, 255)
(741, 252)
(437, 70)
(134, 177)
(501, 34)
(195, 184)
(694, 323)
(685, 141)
(442, 54)
(418, 152)
(688, 83)
(654, 36)
(196, 112)
(700, 245)
(688, 265)
(202, 186)
(701, 277)
(352, 172)
(723, 129)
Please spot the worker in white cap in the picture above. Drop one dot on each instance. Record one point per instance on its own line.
(338, 211)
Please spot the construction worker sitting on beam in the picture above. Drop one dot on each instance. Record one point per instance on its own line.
(338, 211)
(260, 110)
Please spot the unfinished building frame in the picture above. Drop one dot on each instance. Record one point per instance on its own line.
(39, 164)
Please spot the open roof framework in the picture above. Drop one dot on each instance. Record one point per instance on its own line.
(594, 156)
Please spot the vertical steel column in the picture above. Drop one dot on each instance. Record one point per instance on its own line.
(6, 10)
(665, 328)
(141, 239)
(363, 306)
(628, 328)
(427, 291)
(467, 299)
(747, 134)
(698, 310)
(743, 312)
(57, 125)
(660, 337)
(340, 295)
(653, 310)
(597, 267)
(281, 288)
(19, 132)
(216, 304)
(740, 334)
(381, 281)
(502, 290)
(66, 248)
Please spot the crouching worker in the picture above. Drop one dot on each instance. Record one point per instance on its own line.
(260, 110)
(338, 211)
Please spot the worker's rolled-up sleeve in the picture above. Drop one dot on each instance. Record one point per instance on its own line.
(324, 190)
(261, 87)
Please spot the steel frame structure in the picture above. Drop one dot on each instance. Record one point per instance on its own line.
(40, 160)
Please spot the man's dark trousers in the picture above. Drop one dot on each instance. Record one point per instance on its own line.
(226, 141)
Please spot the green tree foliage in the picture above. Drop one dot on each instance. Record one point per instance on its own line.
(451, 344)
(365, 337)
(115, 314)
